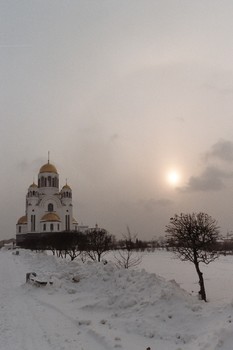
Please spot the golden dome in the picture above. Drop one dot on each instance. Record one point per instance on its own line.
(66, 187)
(48, 168)
(23, 220)
(50, 217)
(33, 185)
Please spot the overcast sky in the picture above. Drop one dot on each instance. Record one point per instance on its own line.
(120, 92)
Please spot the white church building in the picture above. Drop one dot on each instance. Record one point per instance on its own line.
(48, 208)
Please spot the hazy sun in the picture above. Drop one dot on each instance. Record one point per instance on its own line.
(173, 177)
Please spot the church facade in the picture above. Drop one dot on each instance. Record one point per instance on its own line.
(48, 208)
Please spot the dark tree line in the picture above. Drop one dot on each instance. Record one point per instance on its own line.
(94, 243)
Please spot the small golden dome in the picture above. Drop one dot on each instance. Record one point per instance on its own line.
(33, 185)
(66, 187)
(48, 168)
(22, 220)
(50, 217)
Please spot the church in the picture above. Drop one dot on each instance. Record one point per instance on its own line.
(48, 208)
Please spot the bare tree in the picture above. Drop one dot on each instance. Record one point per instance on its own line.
(77, 243)
(127, 256)
(193, 237)
(99, 241)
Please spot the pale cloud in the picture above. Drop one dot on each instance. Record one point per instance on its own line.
(220, 90)
(217, 169)
(211, 179)
(221, 150)
(25, 166)
(153, 204)
(114, 137)
(179, 119)
(220, 83)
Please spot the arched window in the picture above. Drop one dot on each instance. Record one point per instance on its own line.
(50, 207)
(67, 223)
(56, 182)
(33, 223)
(51, 227)
(49, 181)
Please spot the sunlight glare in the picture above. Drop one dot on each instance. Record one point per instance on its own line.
(173, 177)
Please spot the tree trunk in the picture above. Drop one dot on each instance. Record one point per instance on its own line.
(201, 283)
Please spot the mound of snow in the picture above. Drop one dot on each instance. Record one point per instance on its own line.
(148, 304)
(112, 307)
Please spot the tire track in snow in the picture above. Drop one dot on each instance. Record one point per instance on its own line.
(18, 326)
(27, 322)
(88, 336)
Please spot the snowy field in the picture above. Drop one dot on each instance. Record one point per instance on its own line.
(154, 305)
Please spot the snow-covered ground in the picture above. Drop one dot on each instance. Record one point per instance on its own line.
(109, 308)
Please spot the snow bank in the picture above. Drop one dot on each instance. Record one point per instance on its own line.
(129, 309)
(149, 305)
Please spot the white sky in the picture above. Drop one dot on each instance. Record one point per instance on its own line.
(120, 92)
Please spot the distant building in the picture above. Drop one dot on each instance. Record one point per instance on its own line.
(48, 209)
